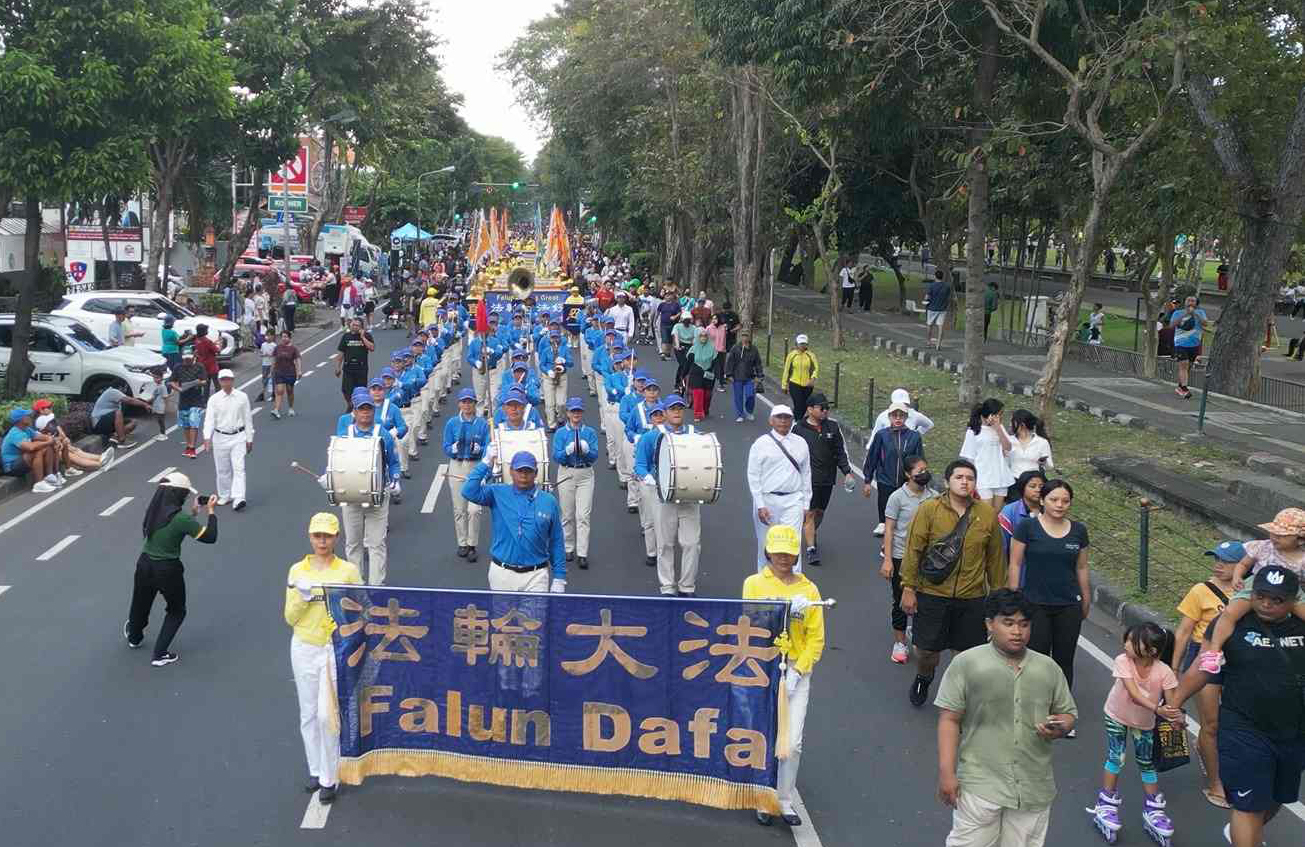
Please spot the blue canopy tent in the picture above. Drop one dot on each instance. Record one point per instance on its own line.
(409, 232)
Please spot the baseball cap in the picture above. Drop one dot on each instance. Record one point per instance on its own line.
(575, 404)
(801, 339)
(901, 395)
(388, 371)
(42, 421)
(1228, 551)
(524, 460)
(673, 401)
(324, 522)
(467, 394)
(779, 410)
(18, 414)
(1276, 581)
(226, 373)
(361, 397)
(41, 405)
(621, 357)
(396, 356)
(430, 292)
(376, 382)
(609, 321)
(818, 399)
(657, 409)
(649, 382)
(519, 366)
(899, 407)
(187, 352)
(514, 397)
(782, 538)
(178, 480)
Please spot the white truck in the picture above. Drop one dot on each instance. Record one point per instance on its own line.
(339, 242)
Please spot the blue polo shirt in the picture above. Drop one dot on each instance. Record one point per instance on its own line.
(9, 452)
(526, 525)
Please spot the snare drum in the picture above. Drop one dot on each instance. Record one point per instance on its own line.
(511, 442)
(353, 471)
(689, 468)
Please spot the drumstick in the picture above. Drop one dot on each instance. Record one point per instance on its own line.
(302, 469)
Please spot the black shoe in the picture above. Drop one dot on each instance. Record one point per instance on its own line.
(407, 475)
(650, 561)
(686, 594)
(240, 506)
(412, 458)
(311, 785)
(582, 562)
(763, 818)
(462, 552)
(920, 690)
(260, 399)
(570, 556)
(632, 509)
(791, 819)
(132, 644)
(471, 554)
(813, 556)
(165, 659)
(326, 795)
(625, 486)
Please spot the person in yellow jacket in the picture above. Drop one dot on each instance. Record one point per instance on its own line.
(311, 657)
(427, 312)
(799, 376)
(806, 643)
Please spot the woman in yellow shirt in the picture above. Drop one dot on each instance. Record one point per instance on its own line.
(311, 657)
(806, 637)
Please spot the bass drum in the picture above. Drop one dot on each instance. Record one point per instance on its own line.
(689, 468)
(353, 471)
(511, 442)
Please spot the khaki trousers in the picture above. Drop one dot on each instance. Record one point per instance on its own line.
(615, 435)
(680, 522)
(554, 399)
(502, 579)
(648, 503)
(977, 822)
(625, 469)
(409, 443)
(575, 491)
(366, 528)
(482, 383)
(466, 515)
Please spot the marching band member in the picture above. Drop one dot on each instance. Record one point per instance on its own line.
(410, 382)
(520, 379)
(779, 580)
(387, 418)
(575, 449)
(591, 339)
(633, 413)
(616, 384)
(680, 522)
(394, 396)
(312, 658)
(366, 526)
(483, 355)
(527, 544)
(434, 366)
(466, 436)
(779, 477)
(554, 357)
(229, 436)
(648, 499)
(516, 412)
(421, 366)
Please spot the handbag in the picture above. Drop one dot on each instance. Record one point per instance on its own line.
(941, 557)
(1169, 746)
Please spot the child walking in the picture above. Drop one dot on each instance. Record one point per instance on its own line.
(158, 400)
(1141, 682)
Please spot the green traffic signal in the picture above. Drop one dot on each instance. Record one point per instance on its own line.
(515, 186)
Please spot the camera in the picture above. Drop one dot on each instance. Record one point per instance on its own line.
(204, 499)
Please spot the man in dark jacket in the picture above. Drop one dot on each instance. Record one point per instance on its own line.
(885, 458)
(828, 456)
(743, 369)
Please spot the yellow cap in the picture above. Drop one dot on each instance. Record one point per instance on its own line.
(430, 291)
(325, 522)
(780, 538)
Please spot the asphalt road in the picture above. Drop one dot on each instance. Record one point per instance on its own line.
(103, 749)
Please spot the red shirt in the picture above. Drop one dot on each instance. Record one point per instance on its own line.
(206, 353)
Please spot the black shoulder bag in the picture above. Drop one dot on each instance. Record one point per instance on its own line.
(942, 556)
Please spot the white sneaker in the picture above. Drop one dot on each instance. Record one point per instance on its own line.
(62, 480)
(160, 437)
(900, 653)
(52, 479)
(73, 472)
(106, 458)
(292, 413)
(752, 417)
(222, 501)
(738, 420)
(879, 530)
(43, 487)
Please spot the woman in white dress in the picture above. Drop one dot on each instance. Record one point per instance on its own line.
(1029, 449)
(988, 445)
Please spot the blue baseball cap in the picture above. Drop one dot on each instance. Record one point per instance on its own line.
(18, 414)
(555, 333)
(520, 354)
(621, 356)
(1228, 551)
(649, 382)
(361, 397)
(417, 341)
(376, 382)
(514, 397)
(524, 460)
(520, 366)
(397, 356)
(657, 409)
(575, 404)
(608, 320)
(388, 372)
(675, 400)
(467, 394)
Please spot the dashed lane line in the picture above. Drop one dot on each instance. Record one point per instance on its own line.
(116, 506)
(161, 474)
(315, 815)
(306, 374)
(57, 549)
(434, 493)
(4, 588)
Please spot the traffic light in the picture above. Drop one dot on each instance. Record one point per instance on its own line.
(457, 216)
(515, 186)
(593, 219)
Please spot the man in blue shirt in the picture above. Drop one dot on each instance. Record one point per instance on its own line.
(591, 339)
(397, 399)
(519, 379)
(26, 452)
(648, 501)
(365, 525)
(633, 413)
(466, 437)
(616, 382)
(554, 360)
(937, 298)
(482, 357)
(1188, 324)
(527, 544)
(680, 522)
(575, 449)
(516, 412)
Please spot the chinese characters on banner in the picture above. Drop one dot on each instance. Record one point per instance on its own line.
(546, 301)
(674, 699)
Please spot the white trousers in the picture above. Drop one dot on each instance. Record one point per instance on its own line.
(611, 420)
(625, 470)
(587, 368)
(797, 719)
(575, 490)
(314, 672)
(680, 522)
(502, 579)
(408, 446)
(466, 514)
(229, 461)
(648, 503)
(977, 822)
(481, 382)
(554, 399)
(787, 509)
(366, 528)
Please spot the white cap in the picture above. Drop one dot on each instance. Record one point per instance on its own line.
(43, 421)
(901, 395)
(899, 407)
(801, 339)
(178, 480)
(781, 409)
(226, 373)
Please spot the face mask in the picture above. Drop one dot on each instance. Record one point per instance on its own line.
(922, 478)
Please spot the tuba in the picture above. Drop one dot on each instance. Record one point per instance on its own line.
(521, 283)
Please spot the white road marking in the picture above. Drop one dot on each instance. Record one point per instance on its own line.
(57, 549)
(4, 588)
(805, 835)
(158, 476)
(315, 815)
(306, 374)
(323, 364)
(116, 506)
(257, 410)
(434, 493)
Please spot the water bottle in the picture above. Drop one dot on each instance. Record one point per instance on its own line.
(849, 484)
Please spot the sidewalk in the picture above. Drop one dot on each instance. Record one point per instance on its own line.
(1273, 440)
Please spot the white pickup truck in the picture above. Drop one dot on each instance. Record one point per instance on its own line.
(149, 308)
(70, 359)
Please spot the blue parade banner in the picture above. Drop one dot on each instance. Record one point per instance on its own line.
(503, 301)
(650, 697)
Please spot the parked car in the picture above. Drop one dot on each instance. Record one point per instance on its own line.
(149, 308)
(71, 359)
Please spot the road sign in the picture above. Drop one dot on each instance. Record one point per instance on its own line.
(295, 172)
(276, 203)
(355, 214)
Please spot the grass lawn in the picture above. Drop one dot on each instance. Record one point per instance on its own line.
(1111, 513)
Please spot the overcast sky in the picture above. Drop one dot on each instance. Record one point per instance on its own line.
(474, 33)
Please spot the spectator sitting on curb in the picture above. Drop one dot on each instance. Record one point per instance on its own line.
(70, 457)
(27, 453)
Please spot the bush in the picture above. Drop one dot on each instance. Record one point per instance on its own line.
(304, 314)
(212, 304)
(616, 248)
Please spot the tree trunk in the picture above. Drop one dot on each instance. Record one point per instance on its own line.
(809, 252)
(20, 366)
(1155, 301)
(670, 246)
(240, 240)
(104, 234)
(977, 177)
(328, 193)
(831, 263)
(166, 161)
(785, 271)
(749, 137)
(886, 252)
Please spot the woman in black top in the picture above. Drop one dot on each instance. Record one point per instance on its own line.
(1051, 551)
(159, 569)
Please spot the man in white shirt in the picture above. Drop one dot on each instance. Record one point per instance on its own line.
(229, 434)
(779, 478)
(624, 317)
(848, 285)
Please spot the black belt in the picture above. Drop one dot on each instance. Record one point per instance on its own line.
(519, 568)
(235, 432)
(586, 465)
(778, 493)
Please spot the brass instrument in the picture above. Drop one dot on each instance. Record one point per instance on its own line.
(521, 283)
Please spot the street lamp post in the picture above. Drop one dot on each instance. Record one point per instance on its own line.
(444, 170)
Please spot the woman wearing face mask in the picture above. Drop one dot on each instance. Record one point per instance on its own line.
(1025, 502)
(901, 507)
(1049, 558)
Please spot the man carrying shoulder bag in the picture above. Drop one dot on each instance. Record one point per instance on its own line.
(953, 558)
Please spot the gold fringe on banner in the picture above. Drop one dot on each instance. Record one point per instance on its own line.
(688, 788)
